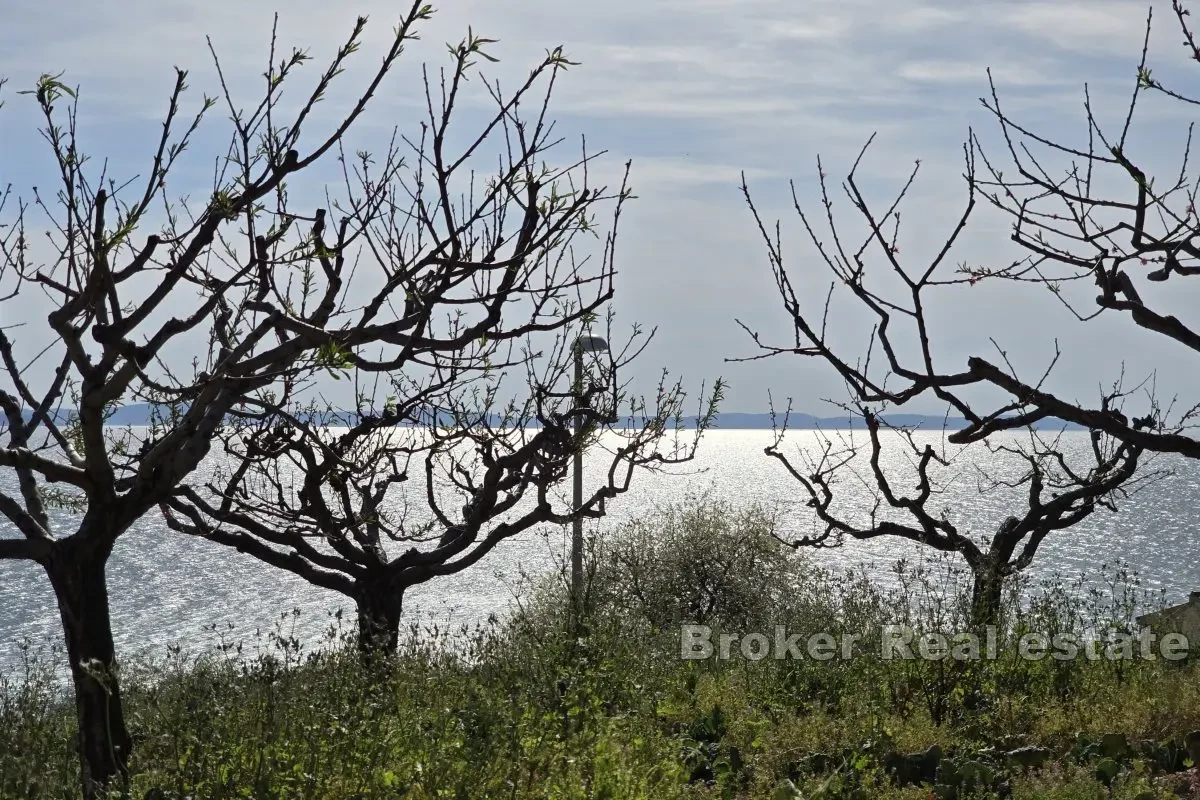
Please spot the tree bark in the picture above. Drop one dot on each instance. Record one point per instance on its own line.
(77, 573)
(986, 594)
(379, 607)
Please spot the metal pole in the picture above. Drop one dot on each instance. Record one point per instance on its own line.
(577, 523)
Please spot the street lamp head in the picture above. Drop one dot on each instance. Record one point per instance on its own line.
(591, 344)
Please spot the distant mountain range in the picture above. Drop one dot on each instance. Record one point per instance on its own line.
(139, 414)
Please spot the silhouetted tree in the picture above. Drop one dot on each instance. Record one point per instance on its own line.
(323, 493)
(1134, 246)
(1061, 490)
(496, 283)
(899, 369)
(1074, 232)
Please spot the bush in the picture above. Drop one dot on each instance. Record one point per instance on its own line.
(700, 561)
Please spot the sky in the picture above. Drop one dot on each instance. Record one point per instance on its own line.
(696, 92)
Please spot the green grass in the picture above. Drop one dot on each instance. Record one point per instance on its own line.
(518, 710)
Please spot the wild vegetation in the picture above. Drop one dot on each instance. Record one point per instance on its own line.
(517, 708)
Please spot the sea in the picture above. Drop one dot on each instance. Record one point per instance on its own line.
(171, 590)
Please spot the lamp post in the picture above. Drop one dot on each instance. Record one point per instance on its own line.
(585, 344)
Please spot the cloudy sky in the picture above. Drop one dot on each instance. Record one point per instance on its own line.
(695, 92)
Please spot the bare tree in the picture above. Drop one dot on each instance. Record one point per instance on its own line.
(268, 295)
(298, 492)
(1073, 232)
(1076, 230)
(899, 369)
(322, 493)
(1061, 490)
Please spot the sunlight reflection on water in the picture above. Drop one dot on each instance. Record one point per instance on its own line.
(166, 588)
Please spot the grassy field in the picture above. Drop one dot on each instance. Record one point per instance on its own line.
(518, 709)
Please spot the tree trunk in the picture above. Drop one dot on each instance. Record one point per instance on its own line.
(378, 622)
(77, 574)
(986, 594)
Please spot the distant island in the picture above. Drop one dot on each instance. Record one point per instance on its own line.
(799, 421)
(140, 414)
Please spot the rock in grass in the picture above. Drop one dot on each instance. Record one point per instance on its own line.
(913, 768)
(929, 761)
(967, 775)
(1029, 757)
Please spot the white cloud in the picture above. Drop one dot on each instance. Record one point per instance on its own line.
(973, 72)
(1096, 27)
